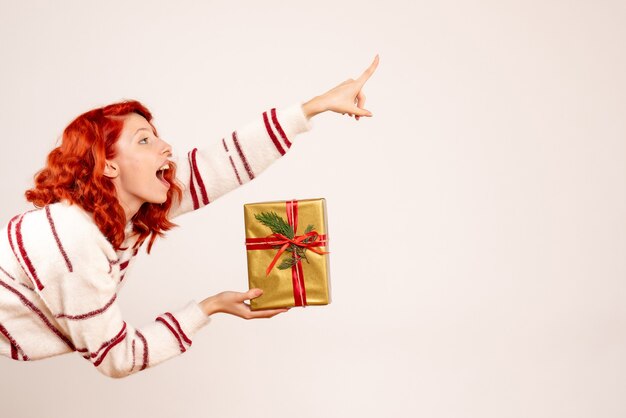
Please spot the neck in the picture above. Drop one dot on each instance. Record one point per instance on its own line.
(130, 208)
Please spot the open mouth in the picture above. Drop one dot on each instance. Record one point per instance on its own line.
(161, 174)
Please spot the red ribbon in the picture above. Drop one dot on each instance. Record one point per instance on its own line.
(271, 241)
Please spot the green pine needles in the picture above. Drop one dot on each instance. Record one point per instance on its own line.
(279, 226)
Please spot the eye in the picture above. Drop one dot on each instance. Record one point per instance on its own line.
(143, 141)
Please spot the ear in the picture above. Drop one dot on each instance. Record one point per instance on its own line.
(111, 169)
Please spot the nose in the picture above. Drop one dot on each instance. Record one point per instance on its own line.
(167, 149)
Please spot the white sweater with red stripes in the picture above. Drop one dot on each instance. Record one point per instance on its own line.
(60, 276)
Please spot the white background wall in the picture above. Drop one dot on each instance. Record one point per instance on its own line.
(477, 220)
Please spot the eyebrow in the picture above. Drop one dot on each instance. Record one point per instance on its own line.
(140, 129)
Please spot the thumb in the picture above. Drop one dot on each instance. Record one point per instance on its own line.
(357, 111)
(253, 293)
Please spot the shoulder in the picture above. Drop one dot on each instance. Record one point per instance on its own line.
(62, 232)
(72, 220)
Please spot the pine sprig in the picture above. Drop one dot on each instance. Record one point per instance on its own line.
(287, 263)
(279, 226)
(275, 223)
(308, 229)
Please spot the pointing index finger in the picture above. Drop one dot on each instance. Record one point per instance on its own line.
(370, 70)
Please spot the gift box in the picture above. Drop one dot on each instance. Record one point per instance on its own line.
(287, 250)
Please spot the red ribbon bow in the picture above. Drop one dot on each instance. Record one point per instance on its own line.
(297, 240)
(271, 241)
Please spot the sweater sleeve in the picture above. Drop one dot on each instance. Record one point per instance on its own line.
(72, 271)
(208, 173)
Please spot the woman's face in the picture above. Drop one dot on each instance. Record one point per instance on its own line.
(137, 167)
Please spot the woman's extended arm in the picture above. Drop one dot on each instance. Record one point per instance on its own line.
(209, 172)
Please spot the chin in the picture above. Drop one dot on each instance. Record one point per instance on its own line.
(161, 201)
(157, 200)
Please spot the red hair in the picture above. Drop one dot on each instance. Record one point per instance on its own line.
(75, 172)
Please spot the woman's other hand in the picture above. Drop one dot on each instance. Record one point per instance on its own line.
(346, 98)
(233, 303)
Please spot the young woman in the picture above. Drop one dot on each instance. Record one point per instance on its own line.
(109, 187)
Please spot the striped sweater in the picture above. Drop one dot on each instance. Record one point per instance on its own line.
(60, 276)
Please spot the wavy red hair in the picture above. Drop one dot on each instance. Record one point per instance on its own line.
(75, 172)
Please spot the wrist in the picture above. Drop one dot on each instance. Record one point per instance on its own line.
(210, 305)
(313, 107)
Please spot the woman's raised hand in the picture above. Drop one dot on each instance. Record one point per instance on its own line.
(346, 98)
(233, 303)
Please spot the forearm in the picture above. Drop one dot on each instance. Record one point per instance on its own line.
(211, 171)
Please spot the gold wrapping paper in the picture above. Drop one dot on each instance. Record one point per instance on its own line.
(277, 287)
